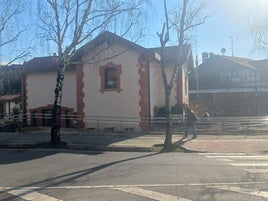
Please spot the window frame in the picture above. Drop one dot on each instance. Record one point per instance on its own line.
(103, 76)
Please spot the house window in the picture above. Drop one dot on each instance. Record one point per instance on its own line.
(110, 77)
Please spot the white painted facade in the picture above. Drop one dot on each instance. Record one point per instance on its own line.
(157, 91)
(185, 85)
(90, 100)
(112, 103)
(41, 86)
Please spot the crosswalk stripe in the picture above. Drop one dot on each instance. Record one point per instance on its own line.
(249, 164)
(243, 190)
(31, 195)
(262, 171)
(249, 160)
(225, 160)
(251, 157)
(150, 194)
(212, 154)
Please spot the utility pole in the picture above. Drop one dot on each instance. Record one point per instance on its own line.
(232, 45)
(256, 93)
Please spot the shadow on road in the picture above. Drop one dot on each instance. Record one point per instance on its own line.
(22, 155)
(182, 141)
(73, 176)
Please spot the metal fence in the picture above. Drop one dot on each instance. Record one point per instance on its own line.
(204, 125)
(218, 125)
(234, 125)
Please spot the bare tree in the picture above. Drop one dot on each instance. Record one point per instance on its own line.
(11, 27)
(10, 79)
(258, 26)
(71, 23)
(184, 20)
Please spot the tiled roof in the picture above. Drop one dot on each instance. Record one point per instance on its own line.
(50, 64)
(110, 38)
(43, 64)
(172, 51)
(220, 61)
(263, 64)
(113, 38)
(242, 61)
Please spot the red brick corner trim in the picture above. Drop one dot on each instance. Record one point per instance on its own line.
(80, 95)
(144, 102)
(24, 94)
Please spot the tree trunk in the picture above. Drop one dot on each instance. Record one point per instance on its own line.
(168, 139)
(56, 113)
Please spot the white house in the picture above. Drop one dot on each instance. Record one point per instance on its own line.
(109, 77)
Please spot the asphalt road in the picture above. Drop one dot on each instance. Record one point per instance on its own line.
(82, 175)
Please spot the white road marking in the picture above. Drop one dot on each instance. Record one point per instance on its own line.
(227, 183)
(32, 188)
(150, 194)
(249, 161)
(251, 157)
(249, 164)
(262, 171)
(211, 154)
(224, 160)
(243, 190)
(31, 195)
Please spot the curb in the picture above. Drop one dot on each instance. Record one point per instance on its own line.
(79, 147)
(19, 146)
(108, 148)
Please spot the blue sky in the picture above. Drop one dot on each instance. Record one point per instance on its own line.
(230, 22)
(228, 25)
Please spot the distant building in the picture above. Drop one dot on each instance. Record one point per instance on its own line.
(10, 79)
(230, 86)
(10, 104)
(110, 77)
(10, 89)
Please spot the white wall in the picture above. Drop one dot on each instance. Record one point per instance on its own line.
(157, 92)
(185, 86)
(112, 103)
(41, 86)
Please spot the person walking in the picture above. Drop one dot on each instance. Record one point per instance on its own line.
(191, 118)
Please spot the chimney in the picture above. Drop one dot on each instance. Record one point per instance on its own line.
(204, 56)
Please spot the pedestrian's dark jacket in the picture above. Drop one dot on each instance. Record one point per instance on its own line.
(191, 118)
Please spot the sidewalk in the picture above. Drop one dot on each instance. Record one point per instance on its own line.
(134, 142)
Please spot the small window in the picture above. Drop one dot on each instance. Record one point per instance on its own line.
(110, 77)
